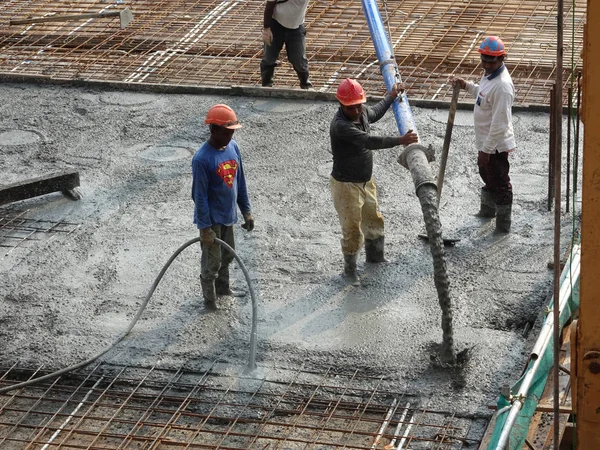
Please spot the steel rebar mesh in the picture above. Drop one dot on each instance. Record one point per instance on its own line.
(113, 407)
(217, 43)
(17, 229)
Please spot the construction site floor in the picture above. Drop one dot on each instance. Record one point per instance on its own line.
(73, 273)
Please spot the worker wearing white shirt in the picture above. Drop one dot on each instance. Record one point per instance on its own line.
(283, 24)
(494, 134)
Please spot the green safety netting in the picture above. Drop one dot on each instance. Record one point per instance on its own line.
(521, 426)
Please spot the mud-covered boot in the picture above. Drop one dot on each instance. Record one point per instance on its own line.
(350, 270)
(503, 218)
(209, 293)
(374, 250)
(487, 210)
(305, 83)
(266, 75)
(222, 286)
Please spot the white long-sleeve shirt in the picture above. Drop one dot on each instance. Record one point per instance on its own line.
(492, 117)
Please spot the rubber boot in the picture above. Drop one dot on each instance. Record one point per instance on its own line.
(503, 218)
(305, 83)
(222, 285)
(487, 209)
(209, 293)
(374, 250)
(350, 270)
(266, 75)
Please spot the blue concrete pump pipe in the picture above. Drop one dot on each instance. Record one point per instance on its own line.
(389, 68)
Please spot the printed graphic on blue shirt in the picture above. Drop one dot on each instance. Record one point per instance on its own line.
(226, 170)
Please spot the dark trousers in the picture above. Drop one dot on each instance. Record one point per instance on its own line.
(496, 178)
(216, 259)
(295, 46)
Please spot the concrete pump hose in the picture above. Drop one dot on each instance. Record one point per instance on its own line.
(253, 335)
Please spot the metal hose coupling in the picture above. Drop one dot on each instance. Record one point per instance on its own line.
(416, 159)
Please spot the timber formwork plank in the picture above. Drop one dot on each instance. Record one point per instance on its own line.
(218, 43)
(34, 187)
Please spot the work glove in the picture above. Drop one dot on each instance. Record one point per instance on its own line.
(207, 236)
(248, 224)
(267, 36)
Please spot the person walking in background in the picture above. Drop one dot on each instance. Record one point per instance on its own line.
(218, 187)
(352, 187)
(284, 24)
(494, 134)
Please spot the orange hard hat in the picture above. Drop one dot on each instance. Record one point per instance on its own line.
(350, 93)
(223, 116)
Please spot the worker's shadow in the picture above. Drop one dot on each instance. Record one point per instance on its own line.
(341, 300)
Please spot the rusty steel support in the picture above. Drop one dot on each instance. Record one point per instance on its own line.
(577, 122)
(551, 147)
(570, 112)
(557, 211)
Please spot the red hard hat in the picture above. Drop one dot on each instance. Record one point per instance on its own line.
(350, 93)
(223, 116)
(492, 46)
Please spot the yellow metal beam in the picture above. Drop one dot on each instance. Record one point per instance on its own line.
(588, 334)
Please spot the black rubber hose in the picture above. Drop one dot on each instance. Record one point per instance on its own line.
(252, 358)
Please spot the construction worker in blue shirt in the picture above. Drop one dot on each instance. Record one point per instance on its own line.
(218, 189)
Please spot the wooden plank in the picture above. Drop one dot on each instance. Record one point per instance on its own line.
(64, 182)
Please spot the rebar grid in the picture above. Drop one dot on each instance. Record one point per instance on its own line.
(16, 229)
(218, 43)
(115, 407)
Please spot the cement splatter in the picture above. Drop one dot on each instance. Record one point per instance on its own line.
(416, 159)
(428, 197)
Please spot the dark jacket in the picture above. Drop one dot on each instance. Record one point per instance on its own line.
(351, 143)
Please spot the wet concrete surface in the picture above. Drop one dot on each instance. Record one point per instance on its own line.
(66, 298)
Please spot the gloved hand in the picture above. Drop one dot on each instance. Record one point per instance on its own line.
(207, 236)
(267, 36)
(248, 222)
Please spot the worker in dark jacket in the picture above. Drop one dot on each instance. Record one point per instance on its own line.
(218, 189)
(352, 186)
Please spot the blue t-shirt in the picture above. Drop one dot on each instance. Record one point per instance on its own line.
(218, 185)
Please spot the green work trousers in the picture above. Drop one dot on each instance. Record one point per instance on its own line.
(215, 259)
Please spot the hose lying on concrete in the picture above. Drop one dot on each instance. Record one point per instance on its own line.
(252, 358)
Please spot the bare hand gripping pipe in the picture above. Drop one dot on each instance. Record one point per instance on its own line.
(252, 356)
(416, 159)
